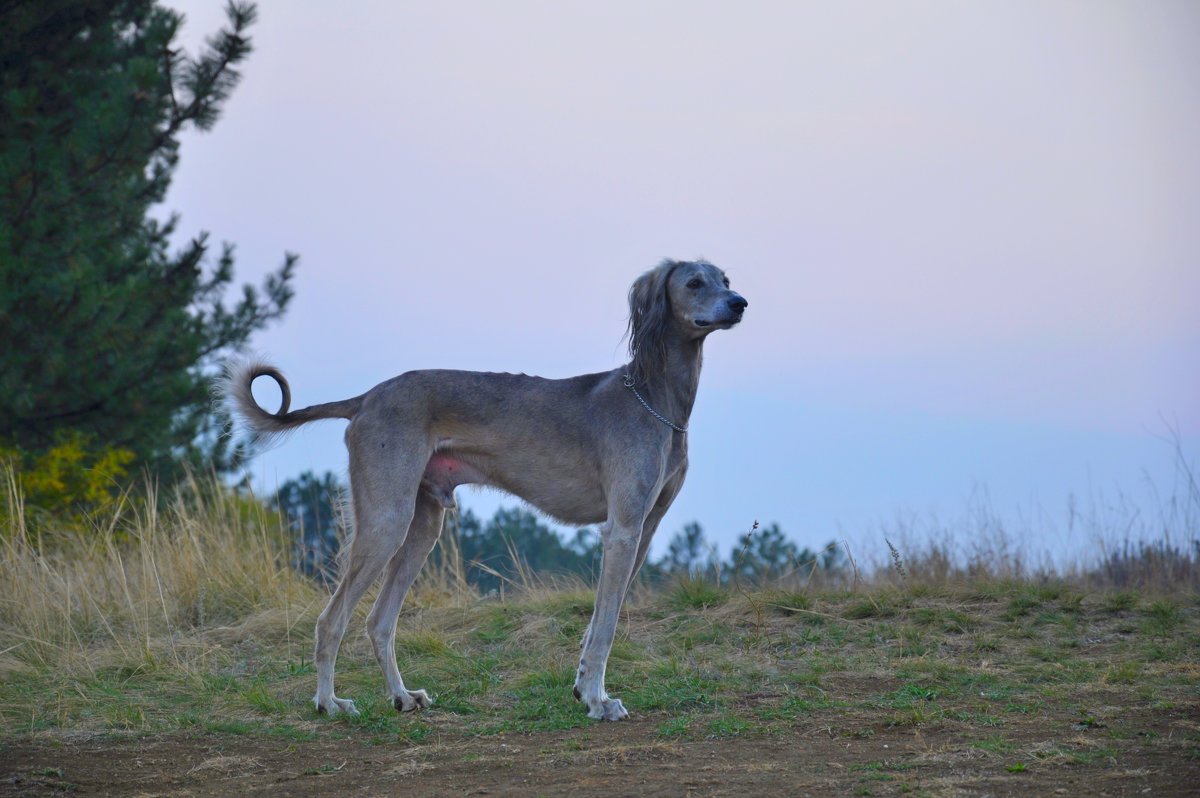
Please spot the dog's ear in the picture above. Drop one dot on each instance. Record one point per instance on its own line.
(649, 315)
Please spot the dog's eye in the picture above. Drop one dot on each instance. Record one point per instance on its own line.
(695, 282)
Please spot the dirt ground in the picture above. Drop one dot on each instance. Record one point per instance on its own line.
(629, 758)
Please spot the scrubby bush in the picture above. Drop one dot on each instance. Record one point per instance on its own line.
(62, 485)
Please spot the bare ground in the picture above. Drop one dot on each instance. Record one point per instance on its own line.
(1145, 753)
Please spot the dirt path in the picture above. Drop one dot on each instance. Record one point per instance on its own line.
(617, 759)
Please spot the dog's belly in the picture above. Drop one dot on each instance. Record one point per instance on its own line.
(560, 493)
(570, 500)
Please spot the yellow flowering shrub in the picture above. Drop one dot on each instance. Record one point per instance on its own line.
(68, 482)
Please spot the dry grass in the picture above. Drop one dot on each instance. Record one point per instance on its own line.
(186, 611)
(135, 583)
(1154, 546)
(183, 621)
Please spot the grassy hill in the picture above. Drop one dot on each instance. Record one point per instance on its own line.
(170, 651)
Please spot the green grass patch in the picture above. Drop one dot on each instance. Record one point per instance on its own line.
(566, 604)
(789, 602)
(696, 593)
(257, 697)
(423, 643)
(870, 607)
(1120, 601)
(676, 727)
(946, 619)
(913, 642)
(726, 726)
(995, 745)
(1128, 672)
(671, 686)
(542, 700)
(907, 696)
(1161, 618)
(497, 623)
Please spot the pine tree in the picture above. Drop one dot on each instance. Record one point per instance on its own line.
(104, 330)
(764, 554)
(688, 552)
(311, 506)
(488, 549)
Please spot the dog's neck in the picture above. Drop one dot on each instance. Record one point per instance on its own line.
(673, 392)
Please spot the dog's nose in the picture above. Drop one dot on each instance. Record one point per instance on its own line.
(738, 303)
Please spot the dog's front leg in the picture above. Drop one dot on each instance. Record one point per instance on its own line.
(620, 551)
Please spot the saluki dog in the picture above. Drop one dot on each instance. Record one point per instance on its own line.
(608, 449)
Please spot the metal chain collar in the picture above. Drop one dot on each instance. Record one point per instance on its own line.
(653, 412)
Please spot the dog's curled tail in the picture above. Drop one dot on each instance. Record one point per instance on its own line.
(235, 388)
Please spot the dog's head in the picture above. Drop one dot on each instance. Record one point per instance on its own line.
(685, 298)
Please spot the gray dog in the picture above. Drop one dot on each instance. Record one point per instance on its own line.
(608, 448)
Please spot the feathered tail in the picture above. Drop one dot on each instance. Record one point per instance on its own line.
(235, 387)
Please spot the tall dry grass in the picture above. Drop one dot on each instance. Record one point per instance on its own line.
(159, 578)
(1119, 543)
(136, 584)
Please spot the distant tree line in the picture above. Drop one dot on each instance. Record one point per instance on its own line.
(515, 542)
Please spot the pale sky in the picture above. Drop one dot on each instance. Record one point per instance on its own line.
(969, 233)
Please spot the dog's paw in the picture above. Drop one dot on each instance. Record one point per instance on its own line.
(410, 700)
(607, 709)
(334, 705)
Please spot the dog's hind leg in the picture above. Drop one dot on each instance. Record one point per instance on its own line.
(384, 487)
(375, 541)
(398, 577)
